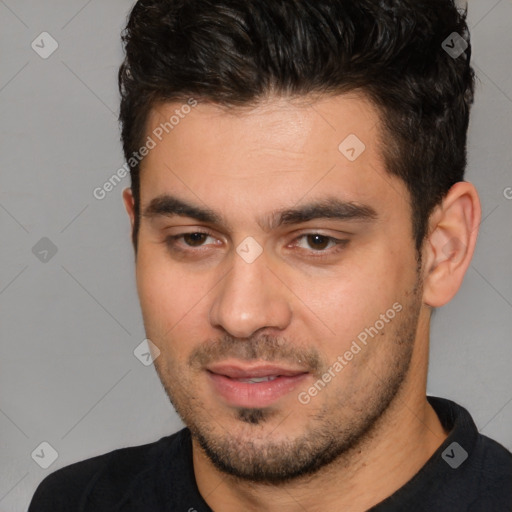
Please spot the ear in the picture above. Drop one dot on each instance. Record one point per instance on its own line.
(449, 247)
(129, 204)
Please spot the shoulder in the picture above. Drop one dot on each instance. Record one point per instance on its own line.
(483, 482)
(492, 463)
(495, 454)
(481, 476)
(469, 471)
(108, 477)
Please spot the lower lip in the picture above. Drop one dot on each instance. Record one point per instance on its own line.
(258, 394)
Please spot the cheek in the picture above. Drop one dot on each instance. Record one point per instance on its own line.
(346, 304)
(173, 303)
(158, 290)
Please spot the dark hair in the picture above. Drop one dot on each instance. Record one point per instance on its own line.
(237, 52)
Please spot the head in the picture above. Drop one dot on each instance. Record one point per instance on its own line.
(297, 210)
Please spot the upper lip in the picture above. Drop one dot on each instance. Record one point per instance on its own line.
(234, 371)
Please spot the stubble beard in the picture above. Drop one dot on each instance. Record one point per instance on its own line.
(338, 429)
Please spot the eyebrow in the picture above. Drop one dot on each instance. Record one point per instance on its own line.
(327, 208)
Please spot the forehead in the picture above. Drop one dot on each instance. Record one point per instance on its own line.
(274, 154)
(308, 125)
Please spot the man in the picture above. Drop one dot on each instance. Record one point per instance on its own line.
(298, 210)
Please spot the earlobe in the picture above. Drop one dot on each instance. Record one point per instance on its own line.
(447, 252)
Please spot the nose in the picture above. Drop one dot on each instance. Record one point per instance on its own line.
(250, 298)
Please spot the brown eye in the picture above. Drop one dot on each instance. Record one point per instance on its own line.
(194, 239)
(318, 242)
(317, 245)
(186, 243)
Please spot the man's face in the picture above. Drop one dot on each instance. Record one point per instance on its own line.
(282, 337)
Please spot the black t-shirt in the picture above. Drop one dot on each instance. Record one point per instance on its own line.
(468, 473)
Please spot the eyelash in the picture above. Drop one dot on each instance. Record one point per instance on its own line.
(171, 243)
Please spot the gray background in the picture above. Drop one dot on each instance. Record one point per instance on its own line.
(69, 326)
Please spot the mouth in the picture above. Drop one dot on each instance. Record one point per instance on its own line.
(253, 386)
(255, 380)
